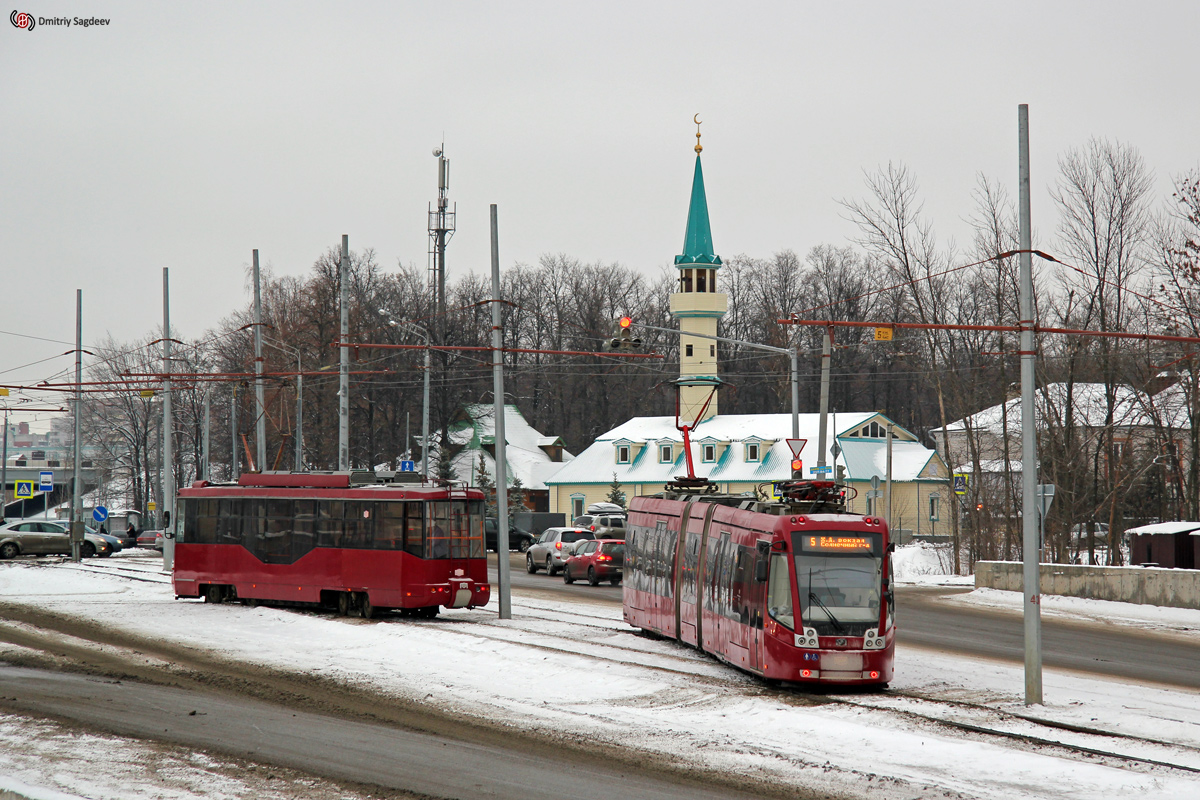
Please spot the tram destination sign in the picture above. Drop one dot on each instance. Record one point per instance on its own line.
(838, 543)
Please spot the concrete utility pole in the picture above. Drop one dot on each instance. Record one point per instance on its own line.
(234, 471)
(502, 566)
(260, 409)
(76, 487)
(168, 470)
(826, 357)
(344, 364)
(1029, 479)
(205, 468)
(888, 489)
(4, 471)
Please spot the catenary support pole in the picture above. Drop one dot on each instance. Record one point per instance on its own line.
(205, 440)
(76, 487)
(260, 407)
(234, 471)
(344, 365)
(888, 486)
(4, 471)
(425, 416)
(502, 566)
(826, 357)
(299, 418)
(168, 470)
(1029, 480)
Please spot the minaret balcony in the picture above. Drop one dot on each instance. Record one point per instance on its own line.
(695, 304)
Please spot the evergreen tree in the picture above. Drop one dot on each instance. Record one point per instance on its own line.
(484, 482)
(516, 496)
(615, 495)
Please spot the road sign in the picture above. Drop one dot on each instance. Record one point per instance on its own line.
(1045, 496)
(24, 490)
(820, 469)
(960, 483)
(875, 482)
(3, 392)
(46, 481)
(796, 445)
(408, 466)
(152, 505)
(99, 513)
(146, 393)
(883, 334)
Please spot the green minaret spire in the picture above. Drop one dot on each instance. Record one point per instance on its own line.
(697, 241)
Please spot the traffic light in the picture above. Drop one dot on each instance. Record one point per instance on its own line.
(625, 341)
(797, 467)
(979, 506)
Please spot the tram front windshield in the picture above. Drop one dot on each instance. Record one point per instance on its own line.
(838, 577)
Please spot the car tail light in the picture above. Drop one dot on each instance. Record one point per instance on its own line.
(558, 545)
(592, 528)
(603, 557)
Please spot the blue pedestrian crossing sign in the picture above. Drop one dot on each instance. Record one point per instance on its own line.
(408, 466)
(960, 483)
(24, 490)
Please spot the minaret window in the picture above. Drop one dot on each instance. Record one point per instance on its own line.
(688, 349)
(712, 350)
(701, 280)
(685, 281)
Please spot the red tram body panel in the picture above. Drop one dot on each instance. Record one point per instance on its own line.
(319, 538)
(786, 590)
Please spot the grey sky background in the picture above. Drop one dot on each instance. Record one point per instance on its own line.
(185, 135)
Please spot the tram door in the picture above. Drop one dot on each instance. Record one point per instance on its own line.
(758, 600)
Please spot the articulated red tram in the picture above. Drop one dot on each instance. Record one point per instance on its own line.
(794, 590)
(346, 540)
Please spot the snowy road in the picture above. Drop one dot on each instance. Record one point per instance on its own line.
(951, 727)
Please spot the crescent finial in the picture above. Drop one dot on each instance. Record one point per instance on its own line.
(696, 119)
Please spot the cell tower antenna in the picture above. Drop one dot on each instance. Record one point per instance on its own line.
(441, 230)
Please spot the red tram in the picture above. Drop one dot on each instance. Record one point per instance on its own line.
(345, 540)
(795, 590)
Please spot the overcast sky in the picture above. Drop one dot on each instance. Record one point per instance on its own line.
(185, 135)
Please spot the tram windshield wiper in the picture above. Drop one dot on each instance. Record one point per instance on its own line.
(812, 598)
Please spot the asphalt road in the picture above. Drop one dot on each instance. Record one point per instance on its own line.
(333, 747)
(924, 619)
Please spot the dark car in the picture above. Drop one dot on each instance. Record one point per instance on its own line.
(517, 538)
(598, 560)
(115, 541)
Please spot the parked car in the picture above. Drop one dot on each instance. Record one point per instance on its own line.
(552, 549)
(598, 560)
(43, 538)
(517, 538)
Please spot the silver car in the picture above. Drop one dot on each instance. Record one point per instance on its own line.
(41, 537)
(553, 548)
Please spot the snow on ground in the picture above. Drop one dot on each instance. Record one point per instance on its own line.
(651, 695)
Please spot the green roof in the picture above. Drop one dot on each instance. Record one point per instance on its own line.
(697, 241)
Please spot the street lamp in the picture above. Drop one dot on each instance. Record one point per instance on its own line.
(425, 400)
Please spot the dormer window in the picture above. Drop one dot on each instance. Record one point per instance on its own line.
(709, 454)
(752, 451)
(666, 454)
(622, 454)
(873, 431)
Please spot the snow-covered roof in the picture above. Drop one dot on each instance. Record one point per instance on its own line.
(1131, 409)
(994, 465)
(1166, 528)
(861, 457)
(526, 459)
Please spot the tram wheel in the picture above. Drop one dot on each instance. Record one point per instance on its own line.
(343, 604)
(592, 579)
(365, 609)
(214, 595)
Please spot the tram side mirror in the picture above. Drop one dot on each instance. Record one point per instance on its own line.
(760, 568)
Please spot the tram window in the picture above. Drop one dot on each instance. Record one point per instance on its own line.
(460, 529)
(414, 524)
(329, 523)
(359, 524)
(205, 531)
(303, 527)
(229, 521)
(254, 522)
(476, 534)
(438, 533)
(389, 526)
(779, 592)
(275, 545)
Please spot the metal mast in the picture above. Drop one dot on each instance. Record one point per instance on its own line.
(441, 230)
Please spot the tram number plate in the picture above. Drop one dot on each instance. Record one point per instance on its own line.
(841, 662)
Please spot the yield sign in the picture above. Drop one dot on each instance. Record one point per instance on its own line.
(796, 445)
